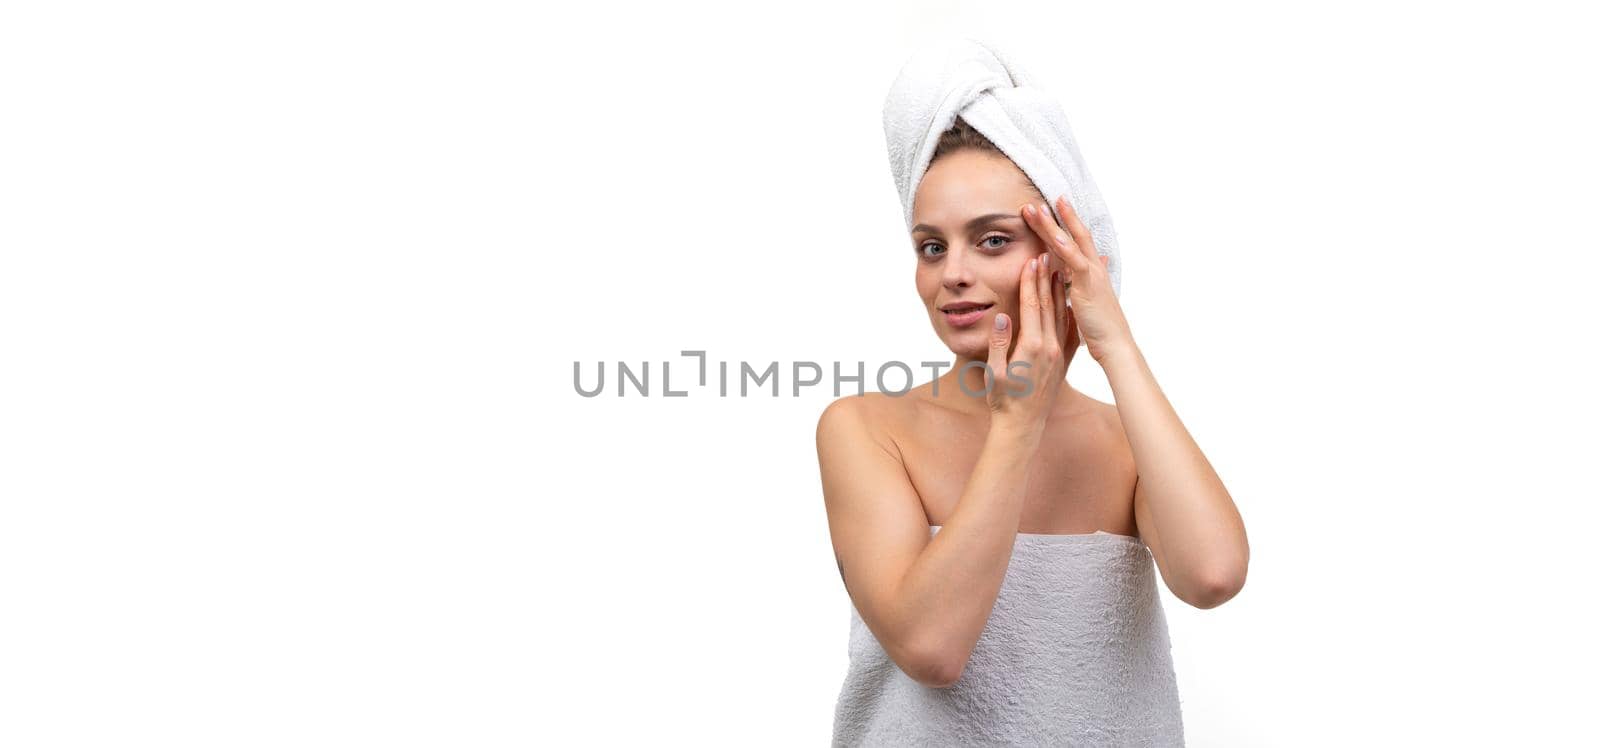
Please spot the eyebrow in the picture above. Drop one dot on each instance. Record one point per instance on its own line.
(980, 220)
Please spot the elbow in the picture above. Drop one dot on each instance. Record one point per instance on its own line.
(1216, 587)
(940, 673)
(937, 666)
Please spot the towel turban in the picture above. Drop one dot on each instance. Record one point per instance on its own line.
(985, 86)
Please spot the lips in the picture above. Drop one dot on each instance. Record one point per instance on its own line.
(963, 306)
(965, 313)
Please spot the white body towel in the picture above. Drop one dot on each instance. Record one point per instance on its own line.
(987, 88)
(1075, 653)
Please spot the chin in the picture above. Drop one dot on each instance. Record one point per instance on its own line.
(972, 343)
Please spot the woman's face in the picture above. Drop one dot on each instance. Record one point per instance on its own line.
(971, 243)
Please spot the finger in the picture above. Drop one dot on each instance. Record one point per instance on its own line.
(999, 343)
(1074, 337)
(1060, 308)
(1028, 310)
(1047, 300)
(1055, 239)
(1080, 233)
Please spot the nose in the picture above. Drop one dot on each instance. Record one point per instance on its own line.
(956, 270)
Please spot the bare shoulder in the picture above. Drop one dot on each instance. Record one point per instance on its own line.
(1106, 412)
(1107, 424)
(849, 409)
(872, 417)
(857, 414)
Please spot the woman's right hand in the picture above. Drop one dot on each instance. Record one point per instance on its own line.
(1023, 387)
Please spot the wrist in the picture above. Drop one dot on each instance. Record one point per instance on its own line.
(1119, 355)
(1016, 432)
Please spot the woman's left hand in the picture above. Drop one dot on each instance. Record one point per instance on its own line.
(1095, 311)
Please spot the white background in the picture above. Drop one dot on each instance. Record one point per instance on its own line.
(291, 294)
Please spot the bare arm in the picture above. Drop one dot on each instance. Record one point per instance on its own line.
(926, 601)
(1184, 512)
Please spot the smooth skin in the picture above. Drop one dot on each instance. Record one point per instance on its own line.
(1033, 456)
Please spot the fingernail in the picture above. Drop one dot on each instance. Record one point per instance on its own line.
(1027, 210)
(999, 322)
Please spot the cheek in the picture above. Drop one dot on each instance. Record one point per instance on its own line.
(927, 283)
(1004, 283)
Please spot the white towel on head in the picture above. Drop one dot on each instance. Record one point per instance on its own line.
(984, 86)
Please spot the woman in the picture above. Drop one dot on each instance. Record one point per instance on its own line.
(995, 528)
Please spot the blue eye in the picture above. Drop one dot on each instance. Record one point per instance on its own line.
(924, 250)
